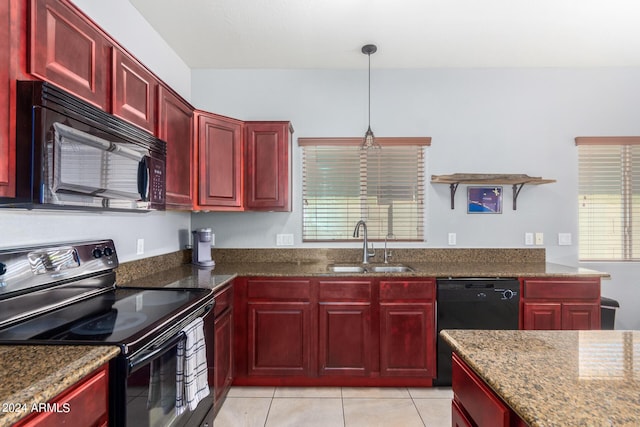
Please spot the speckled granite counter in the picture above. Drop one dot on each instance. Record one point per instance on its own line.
(315, 262)
(35, 374)
(558, 378)
(184, 276)
(420, 269)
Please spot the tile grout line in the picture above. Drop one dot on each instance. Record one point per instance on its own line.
(344, 416)
(269, 409)
(416, 407)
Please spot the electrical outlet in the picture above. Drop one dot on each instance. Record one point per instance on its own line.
(564, 239)
(140, 247)
(539, 238)
(284, 239)
(452, 239)
(528, 239)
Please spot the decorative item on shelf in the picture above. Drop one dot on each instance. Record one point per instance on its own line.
(517, 181)
(484, 200)
(369, 141)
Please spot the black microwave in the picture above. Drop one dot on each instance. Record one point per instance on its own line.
(72, 155)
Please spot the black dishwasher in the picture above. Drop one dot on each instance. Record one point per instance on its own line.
(473, 303)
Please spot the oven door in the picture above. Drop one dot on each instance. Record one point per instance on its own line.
(146, 397)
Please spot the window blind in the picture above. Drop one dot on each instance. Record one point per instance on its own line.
(609, 198)
(343, 184)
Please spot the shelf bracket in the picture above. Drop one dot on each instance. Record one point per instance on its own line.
(453, 187)
(516, 192)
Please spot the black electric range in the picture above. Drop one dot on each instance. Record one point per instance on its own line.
(66, 294)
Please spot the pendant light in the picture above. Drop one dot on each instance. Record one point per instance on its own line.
(369, 140)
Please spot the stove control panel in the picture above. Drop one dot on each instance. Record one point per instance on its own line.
(24, 268)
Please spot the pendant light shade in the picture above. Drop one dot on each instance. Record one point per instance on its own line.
(369, 140)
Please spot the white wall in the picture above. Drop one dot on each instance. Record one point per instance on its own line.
(482, 121)
(163, 232)
(126, 25)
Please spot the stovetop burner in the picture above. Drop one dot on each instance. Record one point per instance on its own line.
(108, 323)
(113, 317)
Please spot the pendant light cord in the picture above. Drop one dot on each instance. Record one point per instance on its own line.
(369, 55)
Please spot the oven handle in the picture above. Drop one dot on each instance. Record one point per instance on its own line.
(136, 363)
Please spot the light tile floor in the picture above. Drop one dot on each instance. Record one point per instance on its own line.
(336, 406)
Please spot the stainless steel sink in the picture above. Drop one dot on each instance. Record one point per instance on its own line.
(352, 268)
(336, 268)
(389, 269)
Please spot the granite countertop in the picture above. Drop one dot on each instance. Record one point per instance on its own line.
(420, 269)
(184, 276)
(188, 276)
(558, 378)
(462, 262)
(33, 374)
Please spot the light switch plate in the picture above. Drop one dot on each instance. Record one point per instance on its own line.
(528, 239)
(564, 239)
(539, 238)
(284, 239)
(140, 247)
(452, 239)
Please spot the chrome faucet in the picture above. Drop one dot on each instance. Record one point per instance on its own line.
(365, 250)
(387, 254)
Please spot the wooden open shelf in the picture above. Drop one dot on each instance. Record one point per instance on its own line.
(517, 181)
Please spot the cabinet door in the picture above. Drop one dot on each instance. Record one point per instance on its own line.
(268, 165)
(279, 338)
(175, 127)
(7, 149)
(66, 50)
(407, 339)
(223, 369)
(134, 91)
(580, 316)
(345, 341)
(220, 162)
(87, 404)
(542, 316)
(345, 345)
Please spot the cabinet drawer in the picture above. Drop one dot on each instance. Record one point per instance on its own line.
(407, 290)
(224, 300)
(562, 288)
(479, 402)
(458, 418)
(345, 291)
(284, 290)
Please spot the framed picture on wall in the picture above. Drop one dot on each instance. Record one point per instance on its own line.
(484, 200)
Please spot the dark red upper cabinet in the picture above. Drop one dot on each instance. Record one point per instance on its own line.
(219, 162)
(268, 166)
(69, 52)
(134, 91)
(175, 127)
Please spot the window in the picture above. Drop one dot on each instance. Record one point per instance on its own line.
(609, 198)
(343, 184)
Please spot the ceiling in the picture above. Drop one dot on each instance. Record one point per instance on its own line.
(408, 33)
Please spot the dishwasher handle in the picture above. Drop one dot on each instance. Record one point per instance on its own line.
(479, 285)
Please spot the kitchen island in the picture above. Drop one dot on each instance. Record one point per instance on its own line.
(552, 378)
